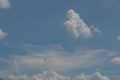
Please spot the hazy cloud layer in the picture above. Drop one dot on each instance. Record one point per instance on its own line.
(61, 60)
(54, 58)
(4, 4)
(77, 27)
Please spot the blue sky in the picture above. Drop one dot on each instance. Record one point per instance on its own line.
(67, 37)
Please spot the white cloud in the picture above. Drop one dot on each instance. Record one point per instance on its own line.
(95, 30)
(52, 75)
(118, 38)
(60, 60)
(4, 4)
(77, 27)
(45, 75)
(54, 59)
(2, 34)
(116, 60)
(94, 76)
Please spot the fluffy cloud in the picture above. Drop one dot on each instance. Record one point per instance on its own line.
(2, 34)
(52, 75)
(4, 4)
(45, 75)
(77, 27)
(116, 60)
(94, 76)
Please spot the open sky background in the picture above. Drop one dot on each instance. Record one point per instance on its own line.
(59, 39)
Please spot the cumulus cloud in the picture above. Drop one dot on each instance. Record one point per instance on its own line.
(116, 60)
(4, 4)
(45, 75)
(77, 27)
(52, 75)
(2, 34)
(94, 76)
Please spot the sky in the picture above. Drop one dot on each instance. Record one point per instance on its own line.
(59, 40)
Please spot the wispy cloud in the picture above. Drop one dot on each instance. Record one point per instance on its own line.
(61, 60)
(118, 38)
(95, 30)
(57, 59)
(50, 58)
(2, 34)
(116, 60)
(4, 4)
(77, 27)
